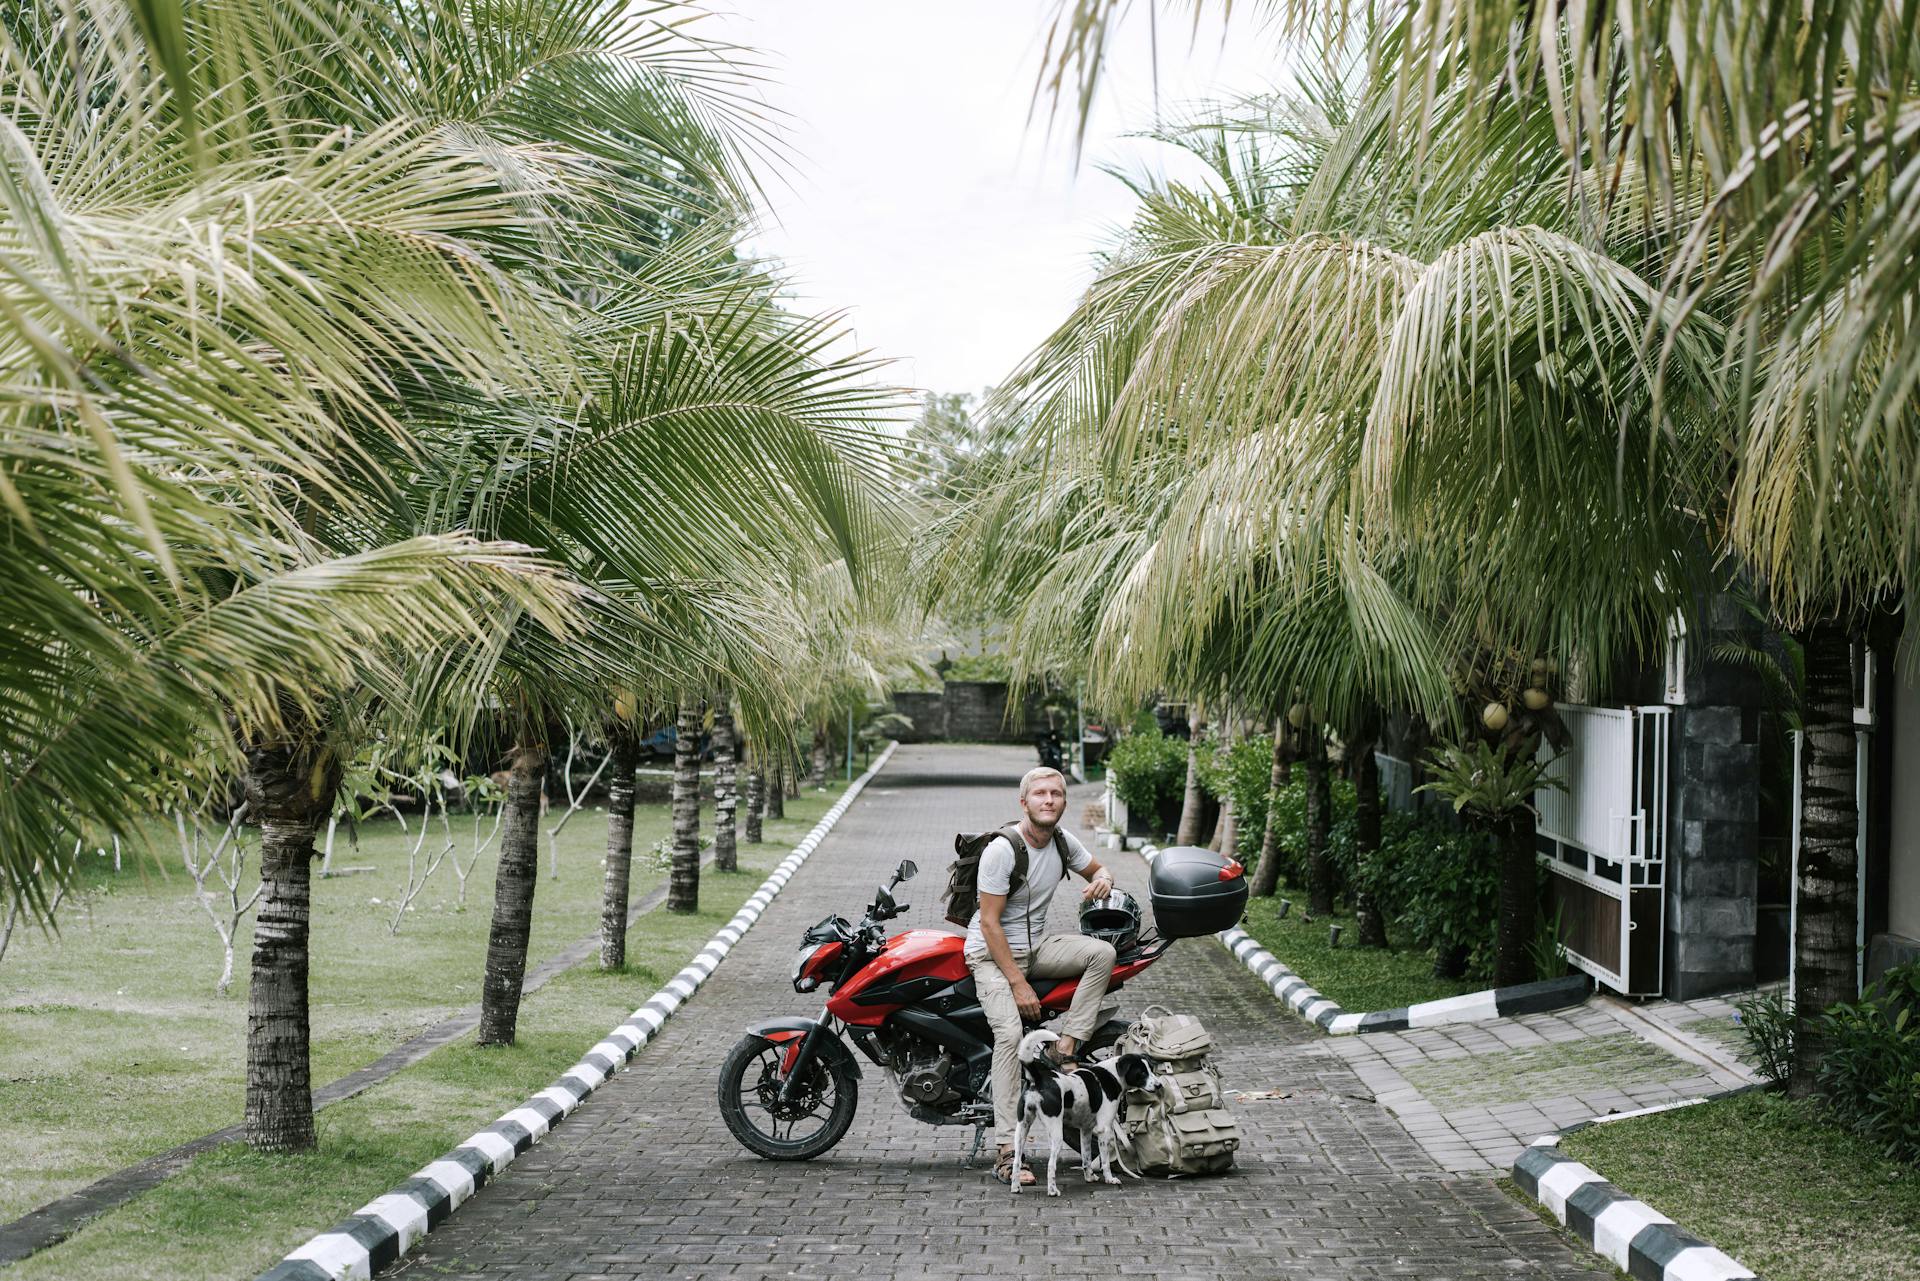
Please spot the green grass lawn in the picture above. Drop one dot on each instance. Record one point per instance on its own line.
(113, 1045)
(1358, 978)
(232, 1213)
(1769, 1182)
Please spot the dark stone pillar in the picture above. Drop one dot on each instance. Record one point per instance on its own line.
(1713, 814)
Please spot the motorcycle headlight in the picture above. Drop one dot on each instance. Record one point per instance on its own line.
(802, 981)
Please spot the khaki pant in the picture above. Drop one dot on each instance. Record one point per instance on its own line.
(1059, 956)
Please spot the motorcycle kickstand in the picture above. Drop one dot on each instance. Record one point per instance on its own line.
(979, 1136)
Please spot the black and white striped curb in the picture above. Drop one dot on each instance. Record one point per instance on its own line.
(385, 1228)
(1331, 1017)
(1635, 1237)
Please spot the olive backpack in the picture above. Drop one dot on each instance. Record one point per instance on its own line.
(1185, 1127)
(963, 882)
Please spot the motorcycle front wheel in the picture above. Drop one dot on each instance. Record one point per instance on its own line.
(811, 1121)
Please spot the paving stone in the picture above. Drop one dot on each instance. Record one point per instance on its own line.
(644, 1180)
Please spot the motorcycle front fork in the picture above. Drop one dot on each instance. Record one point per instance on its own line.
(804, 1057)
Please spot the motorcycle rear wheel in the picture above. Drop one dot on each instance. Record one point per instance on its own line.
(811, 1124)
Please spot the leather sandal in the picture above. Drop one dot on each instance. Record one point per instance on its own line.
(1003, 1170)
(1061, 1062)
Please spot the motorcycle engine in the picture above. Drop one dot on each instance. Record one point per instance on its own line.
(923, 1073)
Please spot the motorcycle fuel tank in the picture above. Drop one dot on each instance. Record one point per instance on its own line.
(913, 965)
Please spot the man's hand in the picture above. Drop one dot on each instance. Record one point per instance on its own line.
(1023, 996)
(1100, 886)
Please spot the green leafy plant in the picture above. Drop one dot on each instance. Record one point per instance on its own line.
(659, 855)
(1869, 1076)
(978, 667)
(1149, 771)
(1548, 953)
(886, 725)
(1484, 782)
(1766, 1021)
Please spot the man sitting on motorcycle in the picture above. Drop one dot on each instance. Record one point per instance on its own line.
(1005, 946)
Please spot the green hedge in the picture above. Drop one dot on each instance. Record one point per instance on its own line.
(1149, 771)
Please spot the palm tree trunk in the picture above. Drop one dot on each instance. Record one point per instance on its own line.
(1519, 900)
(1824, 943)
(1224, 834)
(513, 884)
(777, 789)
(756, 804)
(289, 792)
(1196, 797)
(683, 883)
(1266, 877)
(822, 763)
(613, 902)
(1370, 921)
(726, 780)
(1319, 823)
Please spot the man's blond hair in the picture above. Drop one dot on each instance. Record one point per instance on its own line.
(1038, 772)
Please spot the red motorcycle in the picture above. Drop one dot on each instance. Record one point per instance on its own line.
(789, 1086)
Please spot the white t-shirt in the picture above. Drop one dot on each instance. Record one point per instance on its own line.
(1024, 918)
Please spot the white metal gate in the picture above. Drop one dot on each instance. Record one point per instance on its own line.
(1605, 840)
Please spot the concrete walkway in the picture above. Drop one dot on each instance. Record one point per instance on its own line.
(1475, 1095)
(645, 1181)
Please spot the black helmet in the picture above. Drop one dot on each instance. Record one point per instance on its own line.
(1115, 918)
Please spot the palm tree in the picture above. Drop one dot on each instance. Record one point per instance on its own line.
(776, 787)
(683, 884)
(620, 798)
(371, 380)
(1392, 401)
(1771, 201)
(756, 799)
(514, 880)
(726, 765)
(1194, 801)
(1266, 876)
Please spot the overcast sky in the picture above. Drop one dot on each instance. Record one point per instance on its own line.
(920, 200)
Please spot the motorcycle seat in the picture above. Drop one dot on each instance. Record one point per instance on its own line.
(1042, 988)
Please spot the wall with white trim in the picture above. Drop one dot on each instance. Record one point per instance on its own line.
(1903, 889)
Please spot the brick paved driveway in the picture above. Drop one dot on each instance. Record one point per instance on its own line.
(645, 1181)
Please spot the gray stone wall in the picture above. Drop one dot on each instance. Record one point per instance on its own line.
(977, 712)
(928, 712)
(965, 711)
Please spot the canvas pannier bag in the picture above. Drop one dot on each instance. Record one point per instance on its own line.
(1185, 1128)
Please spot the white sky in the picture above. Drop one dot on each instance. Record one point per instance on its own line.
(920, 200)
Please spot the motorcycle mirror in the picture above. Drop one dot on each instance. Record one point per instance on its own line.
(907, 870)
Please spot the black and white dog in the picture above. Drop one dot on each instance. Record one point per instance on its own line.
(1088, 1098)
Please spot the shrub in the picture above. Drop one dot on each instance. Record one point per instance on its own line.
(1443, 884)
(1869, 1073)
(978, 667)
(1289, 808)
(1243, 775)
(1766, 1021)
(1149, 771)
